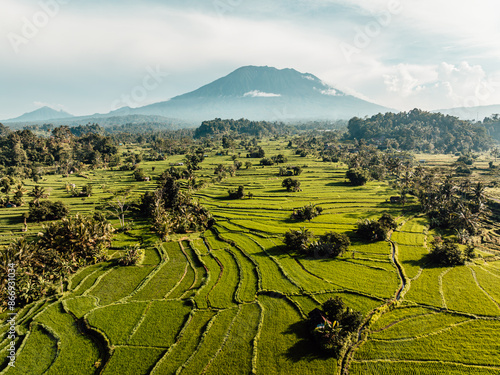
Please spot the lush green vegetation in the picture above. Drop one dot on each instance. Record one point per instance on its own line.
(176, 292)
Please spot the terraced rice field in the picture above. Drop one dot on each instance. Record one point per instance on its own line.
(233, 301)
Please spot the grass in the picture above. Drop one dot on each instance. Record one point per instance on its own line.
(133, 361)
(33, 360)
(238, 349)
(179, 353)
(283, 346)
(118, 321)
(162, 322)
(446, 346)
(462, 293)
(211, 341)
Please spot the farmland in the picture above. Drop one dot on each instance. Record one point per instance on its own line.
(233, 300)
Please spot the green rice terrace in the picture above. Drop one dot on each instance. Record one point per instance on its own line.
(233, 300)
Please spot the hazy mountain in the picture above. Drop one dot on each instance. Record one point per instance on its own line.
(264, 93)
(471, 113)
(41, 114)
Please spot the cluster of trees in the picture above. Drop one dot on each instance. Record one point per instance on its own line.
(308, 212)
(172, 210)
(60, 249)
(238, 193)
(330, 244)
(421, 131)
(447, 252)
(334, 328)
(242, 126)
(291, 184)
(376, 230)
(23, 153)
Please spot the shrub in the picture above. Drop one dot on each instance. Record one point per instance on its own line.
(307, 212)
(339, 329)
(266, 161)
(133, 255)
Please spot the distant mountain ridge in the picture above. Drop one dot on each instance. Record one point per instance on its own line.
(41, 114)
(264, 93)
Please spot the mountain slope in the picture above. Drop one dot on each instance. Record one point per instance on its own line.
(41, 114)
(264, 93)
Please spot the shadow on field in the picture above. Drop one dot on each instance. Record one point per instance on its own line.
(305, 348)
(339, 183)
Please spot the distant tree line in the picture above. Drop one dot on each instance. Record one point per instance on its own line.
(420, 131)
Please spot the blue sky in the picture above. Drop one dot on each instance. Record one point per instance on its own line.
(86, 56)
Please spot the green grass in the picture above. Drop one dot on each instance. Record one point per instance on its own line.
(79, 306)
(77, 353)
(236, 355)
(412, 327)
(162, 322)
(283, 346)
(421, 368)
(179, 353)
(425, 289)
(117, 321)
(133, 361)
(462, 293)
(119, 283)
(222, 296)
(449, 345)
(38, 354)
(212, 340)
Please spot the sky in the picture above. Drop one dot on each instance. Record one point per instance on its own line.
(92, 56)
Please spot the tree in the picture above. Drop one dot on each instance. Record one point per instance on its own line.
(339, 241)
(47, 210)
(237, 194)
(139, 174)
(291, 184)
(238, 164)
(298, 239)
(357, 176)
(447, 253)
(248, 164)
(38, 193)
(118, 204)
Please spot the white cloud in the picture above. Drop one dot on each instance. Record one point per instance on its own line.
(260, 94)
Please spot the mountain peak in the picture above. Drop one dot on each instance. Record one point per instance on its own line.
(41, 114)
(264, 93)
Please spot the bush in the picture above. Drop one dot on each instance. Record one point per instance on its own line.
(307, 212)
(266, 161)
(357, 176)
(133, 256)
(47, 210)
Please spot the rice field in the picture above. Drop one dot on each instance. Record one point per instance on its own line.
(232, 300)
